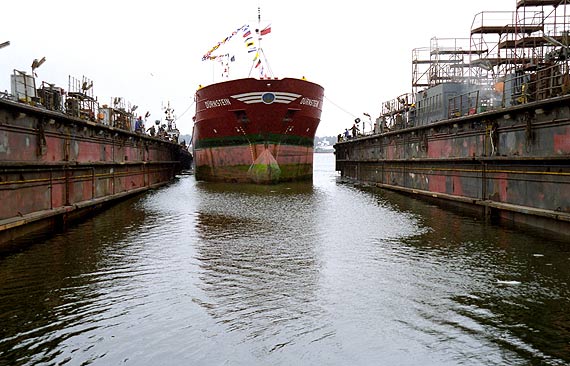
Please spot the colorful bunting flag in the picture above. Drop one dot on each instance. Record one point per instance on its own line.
(208, 55)
(249, 42)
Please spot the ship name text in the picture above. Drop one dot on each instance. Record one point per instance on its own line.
(217, 103)
(310, 102)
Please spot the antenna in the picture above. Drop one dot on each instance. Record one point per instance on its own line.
(261, 55)
(258, 30)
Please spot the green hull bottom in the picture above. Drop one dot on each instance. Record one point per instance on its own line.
(255, 173)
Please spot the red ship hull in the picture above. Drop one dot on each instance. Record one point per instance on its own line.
(256, 130)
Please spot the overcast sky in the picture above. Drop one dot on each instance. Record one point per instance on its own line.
(150, 52)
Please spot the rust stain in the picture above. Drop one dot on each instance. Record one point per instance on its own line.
(562, 142)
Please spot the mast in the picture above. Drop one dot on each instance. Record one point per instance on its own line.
(260, 53)
(259, 62)
(258, 29)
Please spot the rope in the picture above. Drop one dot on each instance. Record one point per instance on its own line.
(187, 109)
(339, 107)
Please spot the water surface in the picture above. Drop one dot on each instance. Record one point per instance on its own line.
(316, 273)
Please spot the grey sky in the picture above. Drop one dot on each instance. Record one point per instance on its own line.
(150, 52)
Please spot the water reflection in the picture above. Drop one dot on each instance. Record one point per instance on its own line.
(54, 290)
(491, 283)
(317, 273)
(258, 252)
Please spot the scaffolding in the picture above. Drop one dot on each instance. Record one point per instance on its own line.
(445, 61)
(51, 96)
(527, 54)
(120, 114)
(510, 58)
(80, 101)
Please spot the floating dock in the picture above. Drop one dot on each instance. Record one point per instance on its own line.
(487, 125)
(63, 156)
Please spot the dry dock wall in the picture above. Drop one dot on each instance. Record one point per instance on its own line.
(54, 167)
(511, 164)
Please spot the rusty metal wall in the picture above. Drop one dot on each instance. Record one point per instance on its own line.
(51, 163)
(514, 162)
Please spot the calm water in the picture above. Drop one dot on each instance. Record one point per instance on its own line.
(321, 273)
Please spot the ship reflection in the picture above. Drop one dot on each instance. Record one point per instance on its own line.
(258, 253)
(243, 189)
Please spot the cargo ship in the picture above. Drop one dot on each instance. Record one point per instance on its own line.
(486, 126)
(255, 130)
(63, 156)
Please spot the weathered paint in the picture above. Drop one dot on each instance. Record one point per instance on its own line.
(264, 169)
(234, 163)
(437, 184)
(53, 165)
(522, 175)
(231, 134)
(562, 142)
